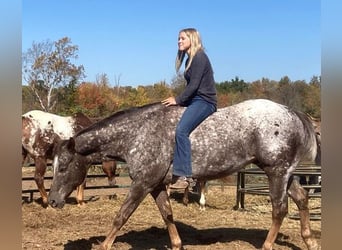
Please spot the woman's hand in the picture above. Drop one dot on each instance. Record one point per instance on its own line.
(169, 101)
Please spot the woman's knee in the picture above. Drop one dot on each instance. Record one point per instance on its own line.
(181, 133)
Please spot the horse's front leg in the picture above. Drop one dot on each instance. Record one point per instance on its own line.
(185, 199)
(301, 198)
(278, 184)
(109, 168)
(135, 196)
(162, 200)
(80, 194)
(40, 168)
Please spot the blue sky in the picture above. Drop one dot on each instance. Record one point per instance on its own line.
(136, 41)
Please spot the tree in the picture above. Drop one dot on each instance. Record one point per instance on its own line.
(47, 65)
(29, 101)
(264, 88)
(66, 99)
(287, 93)
(178, 83)
(97, 99)
(233, 86)
(138, 97)
(312, 101)
(238, 85)
(158, 91)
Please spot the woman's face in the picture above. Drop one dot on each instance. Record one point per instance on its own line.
(183, 42)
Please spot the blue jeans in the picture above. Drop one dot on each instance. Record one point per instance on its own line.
(196, 112)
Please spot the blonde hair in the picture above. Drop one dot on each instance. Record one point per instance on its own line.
(195, 46)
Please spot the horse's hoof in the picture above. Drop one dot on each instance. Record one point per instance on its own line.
(316, 247)
(45, 203)
(112, 183)
(81, 204)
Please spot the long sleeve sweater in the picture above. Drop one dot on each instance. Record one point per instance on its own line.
(200, 81)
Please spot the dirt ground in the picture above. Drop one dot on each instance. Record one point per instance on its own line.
(218, 227)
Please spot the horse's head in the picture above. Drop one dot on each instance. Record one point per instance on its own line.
(69, 172)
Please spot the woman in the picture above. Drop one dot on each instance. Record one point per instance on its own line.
(199, 96)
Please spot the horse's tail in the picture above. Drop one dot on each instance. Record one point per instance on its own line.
(311, 140)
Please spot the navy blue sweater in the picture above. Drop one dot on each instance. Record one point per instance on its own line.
(200, 81)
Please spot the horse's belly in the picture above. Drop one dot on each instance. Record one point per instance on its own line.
(218, 163)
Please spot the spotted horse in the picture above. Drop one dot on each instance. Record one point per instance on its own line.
(40, 131)
(258, 131)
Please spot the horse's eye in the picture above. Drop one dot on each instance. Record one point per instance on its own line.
(63, 160)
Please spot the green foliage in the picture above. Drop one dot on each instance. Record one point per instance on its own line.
(297, 95)
(233, 86)
(158, 91)
(29, 100)
(99, 99)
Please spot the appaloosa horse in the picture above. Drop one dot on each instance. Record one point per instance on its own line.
(40, 131)
(255, 131)
(302, 180)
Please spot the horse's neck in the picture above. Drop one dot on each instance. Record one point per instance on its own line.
(109, 139)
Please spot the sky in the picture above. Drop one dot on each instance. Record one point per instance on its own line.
(134, 42)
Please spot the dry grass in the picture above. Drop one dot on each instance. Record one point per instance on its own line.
(219, 227)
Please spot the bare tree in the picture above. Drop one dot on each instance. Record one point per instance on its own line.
(102, 79)
(47, 65)
(178, 83)
(117, 84)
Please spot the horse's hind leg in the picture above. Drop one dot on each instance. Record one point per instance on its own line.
(301, 198)
(163, 202)
(277, 177)
(24, 155)
(134, 197)
(202, 193)
(40, 168)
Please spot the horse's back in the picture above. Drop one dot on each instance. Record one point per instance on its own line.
(254, 131)
(277, 128)
(40, 129)
(63, 126)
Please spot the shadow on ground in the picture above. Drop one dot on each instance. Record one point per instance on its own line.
(157, 238)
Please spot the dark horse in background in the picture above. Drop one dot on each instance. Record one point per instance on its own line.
(40, 133)
(259, 131)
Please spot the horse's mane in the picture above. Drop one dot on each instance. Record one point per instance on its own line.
(120, 115)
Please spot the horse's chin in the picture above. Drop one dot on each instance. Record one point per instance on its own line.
(60, 205)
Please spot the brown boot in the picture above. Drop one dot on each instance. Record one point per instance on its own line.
(179, 182)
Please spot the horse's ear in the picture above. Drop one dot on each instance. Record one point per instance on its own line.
(71, 144)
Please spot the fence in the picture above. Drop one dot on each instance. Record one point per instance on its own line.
(90, 185)
(243, 186)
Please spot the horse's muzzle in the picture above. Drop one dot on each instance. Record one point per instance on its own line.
(56, 204)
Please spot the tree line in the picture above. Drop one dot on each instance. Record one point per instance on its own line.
(53, 83)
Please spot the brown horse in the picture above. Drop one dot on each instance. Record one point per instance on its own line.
(261, 132)
(40, 132)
